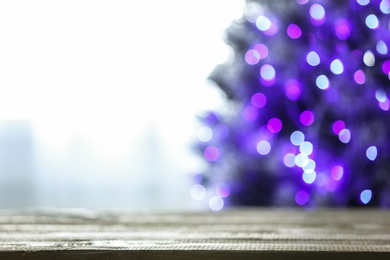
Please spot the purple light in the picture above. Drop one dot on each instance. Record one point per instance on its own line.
(338, 126)
(332, 82)
(341, 47)
(259, 100)
(265, 133)
(331, 185)
(252, 57)
(306, 118)
(274, 125)
(197, 178)
(386, 67)
(272, 30)
(301, 197)
(322, 182)
(293, 90)
(223, 190)
(342, 29)
(294, 31)
(381, 96)
(385, 106)
(221, 131)
(211, 153)
(250, 114)
(359, 77)
(268, 83)
(289, 148)
(262, 50)
(337, 172)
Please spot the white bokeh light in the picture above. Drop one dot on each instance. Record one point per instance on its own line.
(337, 67)
(205, 134)
(198, 192)
(216, 203)
(369, 58)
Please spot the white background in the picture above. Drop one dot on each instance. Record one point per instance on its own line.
(109, 91)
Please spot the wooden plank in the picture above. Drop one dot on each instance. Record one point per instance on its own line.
(230, 234)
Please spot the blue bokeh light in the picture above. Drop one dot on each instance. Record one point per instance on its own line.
(306, 148)
(363, 2)
(365, 196)
(372, 153)
(381, 47)
(385, 6)
(313, 58)
(297, 138)
(322, 82)
(337, 67)
(309, 178)
(372, 21)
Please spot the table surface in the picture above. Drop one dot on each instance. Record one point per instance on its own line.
(230, 234)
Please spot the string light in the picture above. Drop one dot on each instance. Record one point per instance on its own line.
(311, 107)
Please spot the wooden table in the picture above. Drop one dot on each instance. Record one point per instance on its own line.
(231, 234)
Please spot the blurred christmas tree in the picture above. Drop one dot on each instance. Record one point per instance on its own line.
(309, 122)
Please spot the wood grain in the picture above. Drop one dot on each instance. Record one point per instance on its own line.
(231, 234)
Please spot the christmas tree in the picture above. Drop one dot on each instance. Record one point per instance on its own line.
(307, 120)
